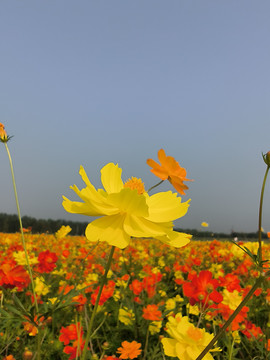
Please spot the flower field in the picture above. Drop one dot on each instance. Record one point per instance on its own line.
(133, 287)
(156, 298)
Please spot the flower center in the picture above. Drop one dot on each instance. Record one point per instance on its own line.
(194, 333)
(135, 184)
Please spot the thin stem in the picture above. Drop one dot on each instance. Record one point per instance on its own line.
(21, 228)
(260, 218)
(151, 188)
(146, 344)
(232, 317)
(103, 281)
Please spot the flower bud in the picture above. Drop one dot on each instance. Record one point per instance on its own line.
(27, 355)
(266, 158)
(3, 134)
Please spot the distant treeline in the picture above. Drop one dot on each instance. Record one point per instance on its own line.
(10, 224)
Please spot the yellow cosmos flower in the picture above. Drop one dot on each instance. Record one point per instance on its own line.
(63, 231)
(40, 287)
(232, 299)
(125, 213)
(204, 224)
(187, 341)
(126, 316)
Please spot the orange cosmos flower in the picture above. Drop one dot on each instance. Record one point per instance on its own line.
(151, 312)
(169, 169)
(129, 350)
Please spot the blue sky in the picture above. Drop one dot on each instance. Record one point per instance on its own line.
(91, 82)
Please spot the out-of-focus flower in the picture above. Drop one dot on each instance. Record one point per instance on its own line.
(251, 330)
(47, 261)
(12, 276)
(9, 357)
(155, 327)
(63, 231)
(151, 312)
(80, 300)
(40, 287)
(106, 293)
(232, 299)
(31, 327)
(70, 333)
(19, 256)
(126, 213)
(268, 234)
(129, 350)
(126, 316)
(187, 341)
(204, 224)
(169, 169)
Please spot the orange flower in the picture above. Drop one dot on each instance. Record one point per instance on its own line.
(151, 312)
(9, 357)
(32, 326)
(169, 169)
(129, 350)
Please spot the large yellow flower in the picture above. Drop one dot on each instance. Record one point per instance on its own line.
(187, 341)
(125, 212)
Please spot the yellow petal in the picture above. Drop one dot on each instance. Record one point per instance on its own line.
(111, 178)
(166, 206)
(175, 239)
(140, 227)
(129, 201)
(109, 229)
(169, 346)
(76, 207)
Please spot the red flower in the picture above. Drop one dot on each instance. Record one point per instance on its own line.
(13, 276)
(75, 350)
(202, 288)
(136, 286)
(251, 330)
(149, 283)
(47, 261)
(80, 300)
(70, 333)
(107, 292)
(230, 282)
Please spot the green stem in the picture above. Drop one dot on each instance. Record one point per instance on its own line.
(151, 188)
(232, 317)
(103, 281)
(146, 343)
(260, 219)
(21, 228)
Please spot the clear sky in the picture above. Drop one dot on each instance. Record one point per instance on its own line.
(91, 82)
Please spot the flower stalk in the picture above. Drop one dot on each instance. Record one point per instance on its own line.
(260, 218)
(90, 326)
(21, 228)
(258, 261)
